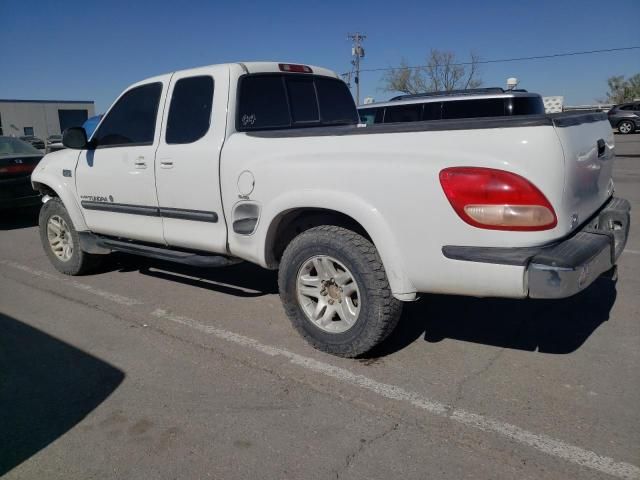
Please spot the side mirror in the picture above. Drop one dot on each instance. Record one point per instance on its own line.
(76, 138)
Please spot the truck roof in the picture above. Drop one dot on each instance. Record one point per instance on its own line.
(247, 67)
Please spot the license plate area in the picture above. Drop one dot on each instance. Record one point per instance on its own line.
(613, 221)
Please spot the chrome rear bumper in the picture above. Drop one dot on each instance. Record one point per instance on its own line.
(572, 265)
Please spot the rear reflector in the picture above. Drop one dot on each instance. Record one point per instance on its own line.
(290, 67)
(496, 199)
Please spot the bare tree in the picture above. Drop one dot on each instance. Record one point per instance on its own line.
(621, 90)
(442, 72)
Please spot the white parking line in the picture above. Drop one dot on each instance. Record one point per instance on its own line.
(114, 297)
(635, 252)
(540, 442)
(543, 443)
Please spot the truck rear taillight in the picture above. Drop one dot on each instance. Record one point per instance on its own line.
(496, 199)
(290, 67)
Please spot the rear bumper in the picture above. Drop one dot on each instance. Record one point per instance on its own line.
(569, 266)
(572, 265)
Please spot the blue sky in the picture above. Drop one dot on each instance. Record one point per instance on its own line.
(92, 50)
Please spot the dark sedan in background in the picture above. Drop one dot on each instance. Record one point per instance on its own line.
(625, 117)
(17, 160)
(35, 142)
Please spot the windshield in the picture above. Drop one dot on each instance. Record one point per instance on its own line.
(14, 146)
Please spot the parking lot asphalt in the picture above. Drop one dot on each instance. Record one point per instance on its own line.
(152, 370)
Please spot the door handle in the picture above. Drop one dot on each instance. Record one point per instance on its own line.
(140, 163)
(166, 164)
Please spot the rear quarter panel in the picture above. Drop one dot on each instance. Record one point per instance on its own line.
(390, 184)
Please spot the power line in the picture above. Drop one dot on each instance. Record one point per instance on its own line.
(505, 60)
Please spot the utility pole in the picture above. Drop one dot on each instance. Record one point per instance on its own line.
(357, 52)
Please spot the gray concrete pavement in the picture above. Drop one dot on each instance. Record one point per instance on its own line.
(153, 370)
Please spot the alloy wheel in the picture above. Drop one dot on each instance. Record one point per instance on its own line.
(328, 294)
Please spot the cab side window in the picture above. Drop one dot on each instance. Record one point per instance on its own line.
(132, 120)
(190, 110)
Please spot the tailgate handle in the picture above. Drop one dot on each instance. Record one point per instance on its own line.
(602, 147)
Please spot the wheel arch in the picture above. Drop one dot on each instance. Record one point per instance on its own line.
(291, 223)
(54, 188)
(343, 210)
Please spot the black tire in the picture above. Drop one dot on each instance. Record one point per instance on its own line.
(379, 310)
(80, 262)
(625, 127)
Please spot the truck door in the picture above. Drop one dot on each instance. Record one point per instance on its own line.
(187, 160)
(115, 179)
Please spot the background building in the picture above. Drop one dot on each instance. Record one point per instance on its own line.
(42, 117)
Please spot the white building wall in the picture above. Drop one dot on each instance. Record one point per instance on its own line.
(41, 115)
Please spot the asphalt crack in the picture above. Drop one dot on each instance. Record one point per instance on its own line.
(364, 444)
(465, 381)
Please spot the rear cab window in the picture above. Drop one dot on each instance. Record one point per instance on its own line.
(287, 100)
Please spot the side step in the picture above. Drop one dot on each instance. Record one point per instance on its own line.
(92, 243)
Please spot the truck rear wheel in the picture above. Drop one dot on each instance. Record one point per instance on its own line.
(335, 291)
(61, 242)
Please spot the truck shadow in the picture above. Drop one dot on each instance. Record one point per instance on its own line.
(46, 387)
(241, 280)
(19, 218)
(547, 326)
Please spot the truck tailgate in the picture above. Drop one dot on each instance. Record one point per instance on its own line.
(588, 146)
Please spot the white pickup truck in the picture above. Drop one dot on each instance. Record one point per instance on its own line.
(267, 162)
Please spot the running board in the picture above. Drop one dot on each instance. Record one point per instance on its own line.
(92, 243)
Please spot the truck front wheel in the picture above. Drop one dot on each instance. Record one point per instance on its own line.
(335, 291)
(61, 242)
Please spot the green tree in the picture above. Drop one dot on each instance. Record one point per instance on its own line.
(442, 72)
(623, 90)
